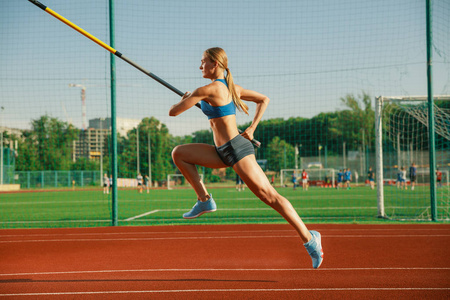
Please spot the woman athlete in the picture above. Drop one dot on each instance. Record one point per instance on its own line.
(218, 101)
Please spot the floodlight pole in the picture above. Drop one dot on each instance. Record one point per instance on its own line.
(158, 128)
(320, 148)
(137, 150)
(1, 147)
(431, 137)
(149, 160)
(1, 156)
(343, 155)
(101, 151)
(83, 103)
(114, 202)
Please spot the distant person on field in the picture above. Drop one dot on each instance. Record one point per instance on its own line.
(413, 175)
(438, 178)
(403, 178)
(239, 183)
(105, 184)
(347, 177)
(140, 182)
(305, 178)
(147, 183)
(340, 178)
(294, 180)
(371, 177)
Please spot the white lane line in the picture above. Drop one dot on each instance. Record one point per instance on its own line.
(228, 291)
(149, 239)
(142, 215)
(229, 270)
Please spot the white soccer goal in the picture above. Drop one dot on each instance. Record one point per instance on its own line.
(178, 180)
(317, 177)
(401, 137)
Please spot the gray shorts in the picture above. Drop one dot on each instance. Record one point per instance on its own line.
(235, 149)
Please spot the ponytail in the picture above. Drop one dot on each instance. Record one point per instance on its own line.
(232, 88)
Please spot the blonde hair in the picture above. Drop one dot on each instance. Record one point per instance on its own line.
(218, 55)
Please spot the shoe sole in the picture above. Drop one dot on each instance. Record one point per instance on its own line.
(321, 260)
(321, 252)
(203, 212)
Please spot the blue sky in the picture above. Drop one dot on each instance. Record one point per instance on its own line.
(303, 55)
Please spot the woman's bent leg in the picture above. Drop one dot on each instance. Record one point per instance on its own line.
(186, 157)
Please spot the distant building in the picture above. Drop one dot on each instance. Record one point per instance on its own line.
(123, 125)
(12, 131)
(10, 143)
(93, 141)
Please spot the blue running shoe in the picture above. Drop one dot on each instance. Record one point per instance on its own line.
(201, 208)
(314, 248)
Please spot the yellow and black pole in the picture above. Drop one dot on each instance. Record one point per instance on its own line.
(115, 52)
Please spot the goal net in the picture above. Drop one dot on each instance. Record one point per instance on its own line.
(403, 154)
(175, 181)
(316, 177)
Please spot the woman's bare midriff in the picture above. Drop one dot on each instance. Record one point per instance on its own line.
(224, 129)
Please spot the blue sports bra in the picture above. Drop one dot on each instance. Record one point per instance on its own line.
(218, 111)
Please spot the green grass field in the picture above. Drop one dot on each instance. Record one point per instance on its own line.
(67, 208)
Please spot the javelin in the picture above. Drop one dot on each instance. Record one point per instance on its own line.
(117, 53)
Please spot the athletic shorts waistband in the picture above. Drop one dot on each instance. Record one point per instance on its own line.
(234, 150)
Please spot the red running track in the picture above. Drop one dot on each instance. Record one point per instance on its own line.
(225, 262)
